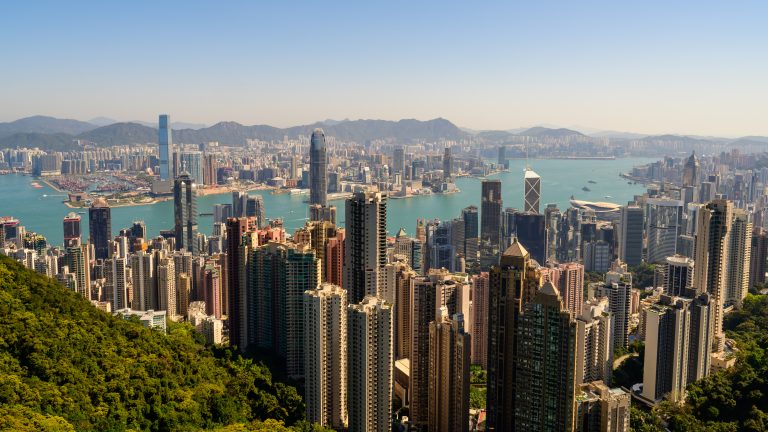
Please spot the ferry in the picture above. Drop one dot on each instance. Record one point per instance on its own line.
(36, 185)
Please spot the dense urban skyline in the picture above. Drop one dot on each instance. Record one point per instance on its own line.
(648, 68)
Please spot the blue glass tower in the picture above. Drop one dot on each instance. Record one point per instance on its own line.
(165, 146)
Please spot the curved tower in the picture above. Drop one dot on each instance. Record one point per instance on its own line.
(318, 169)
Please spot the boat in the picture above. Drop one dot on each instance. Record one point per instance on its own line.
(36, 185)
(592, 181)
(608, 196)
(586, 189)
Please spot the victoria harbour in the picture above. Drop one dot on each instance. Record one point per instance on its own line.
(42, 209)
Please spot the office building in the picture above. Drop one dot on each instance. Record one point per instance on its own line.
(78, 260)
(318, 169)
(532, 190)
(100, 227)
(447, 164)
(254, 207)
(369, 370)
(631, 238)
(365, 247)
(191, 163)
(545, 365)
(471, 235)
(663, 224)
(185, 213)
(72, 230)
(512, 284)
(692, 171)
(398, 162)
(165, 148)
(325, 345)
(449, 361)
(490, 213)
(678, 276)
(531, 233)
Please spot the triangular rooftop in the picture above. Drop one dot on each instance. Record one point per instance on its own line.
(516, 249)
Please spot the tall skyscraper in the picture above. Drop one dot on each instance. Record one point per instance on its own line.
(72, 231)
(185, 213)
(631, 239)
(447, 164)
(78, 261)
(692, 171)
(254, 207)
(502, 157)
(664, 218)
(237, 282)
(711, 257)
(532, 189)
(325, 345)
(116, 270)
(471, 234)
(318, 169)
(192, 163)
(449, 359)
(619, 294)
(545, 365)
(512, 284)
(531, 233)
(739, 256)
(143, 278)
(100, 227)
(490, 213)
(398, 162)
(165, 141)
(369, 370)
(365, 248)
(678, 276)
(166, 286)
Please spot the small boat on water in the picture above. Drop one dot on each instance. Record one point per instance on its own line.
(586, 189)
(36, 185)
(592, 181)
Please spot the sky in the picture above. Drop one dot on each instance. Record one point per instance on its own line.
(641, 66)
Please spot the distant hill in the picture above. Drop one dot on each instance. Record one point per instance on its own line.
(53, 142)
(67, 366)
(44, 125)
(235, 134)
(539, 131)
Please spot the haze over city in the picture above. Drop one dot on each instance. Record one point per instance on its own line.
(652, 67)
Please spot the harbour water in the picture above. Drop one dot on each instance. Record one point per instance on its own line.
(41, 209)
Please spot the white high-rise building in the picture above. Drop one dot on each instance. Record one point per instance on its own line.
(325, 362)
(663, 219)
(532, 187)
(369, 370)
(166, 286)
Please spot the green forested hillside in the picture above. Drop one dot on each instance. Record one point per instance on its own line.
(64, 365)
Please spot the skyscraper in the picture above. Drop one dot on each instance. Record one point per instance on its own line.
(490, 215)
(369, 370)
(325, 345)
(447, 164)
(236, 282)
(692, 171)
(78, 261)
(631, 239)
(532, 234)
(365, 248)
(71, 229)
(165, 141)
(532, 187)
(502, 157)
(398, 162)
(449, 359)
(664, 217)
(471, 234)
(318, 169)
(100, 227)
(512, 284)
(678, 276)
(711, 257)
(545, 365)
(185, 213)
(191, 163)
(254, 207)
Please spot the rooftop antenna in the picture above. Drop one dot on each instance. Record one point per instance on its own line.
(527, 165)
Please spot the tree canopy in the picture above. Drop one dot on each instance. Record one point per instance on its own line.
(66, 365)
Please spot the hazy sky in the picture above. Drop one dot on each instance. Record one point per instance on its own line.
(645, 66)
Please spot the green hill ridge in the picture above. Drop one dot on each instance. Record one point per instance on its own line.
(65, 366)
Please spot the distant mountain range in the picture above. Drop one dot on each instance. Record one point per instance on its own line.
(59, 134)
